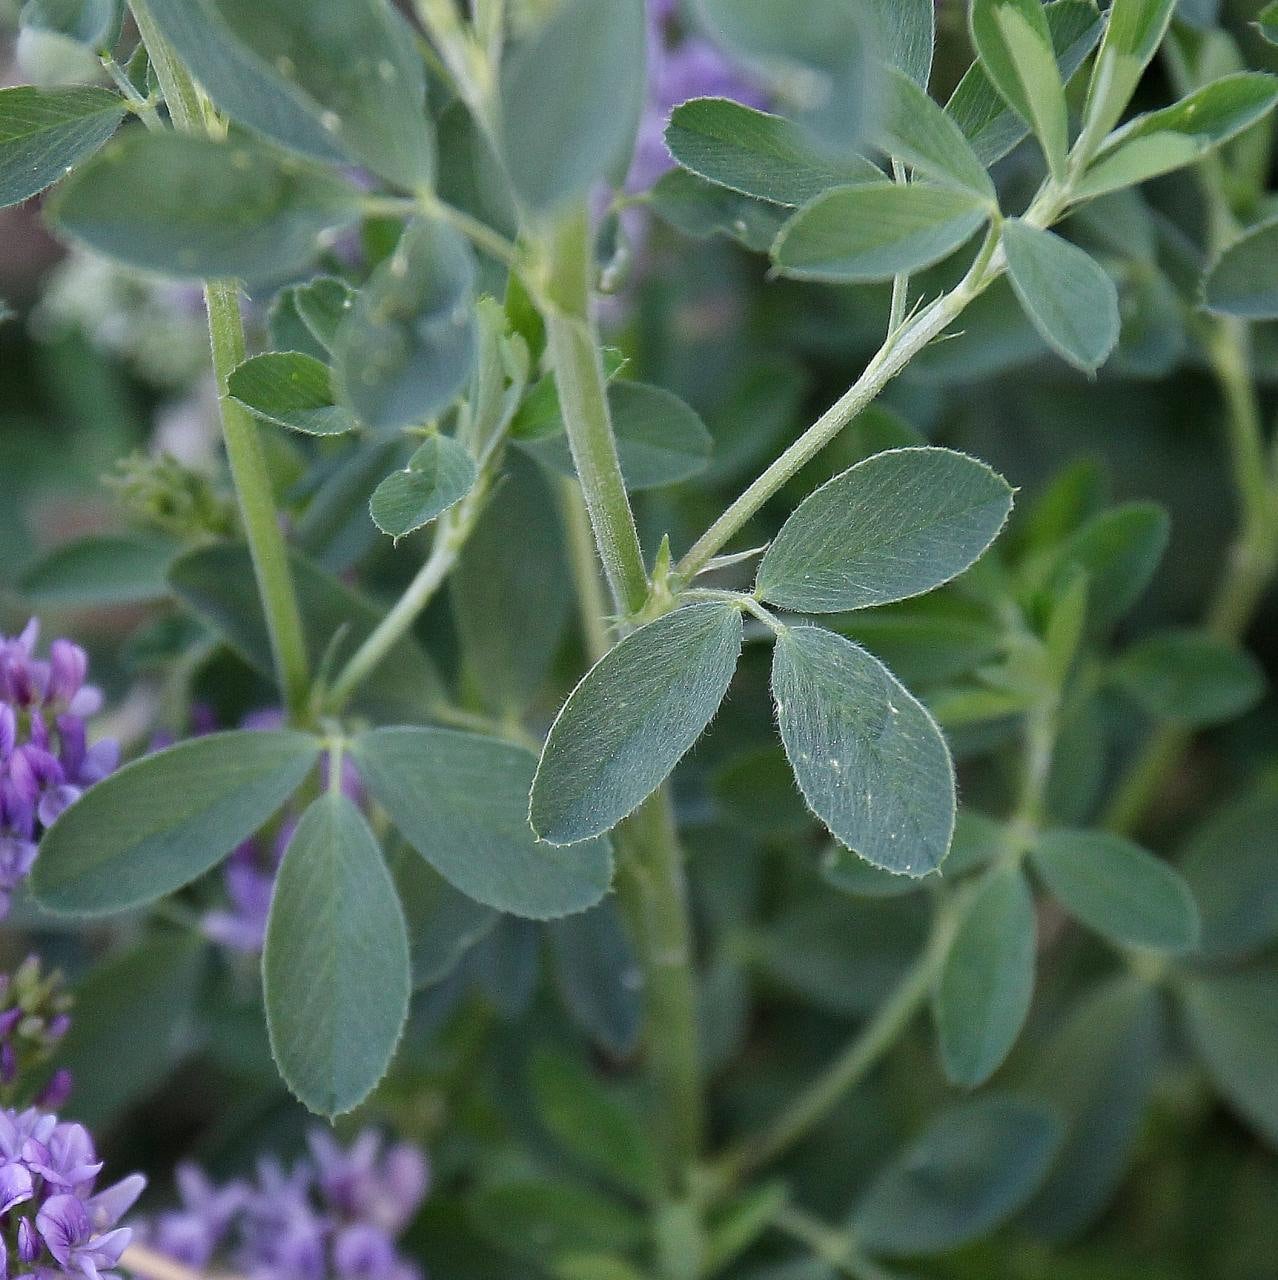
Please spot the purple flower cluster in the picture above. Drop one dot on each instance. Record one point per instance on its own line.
(335, 1215)
(52, 1222)
(45, 759)
(682, 64)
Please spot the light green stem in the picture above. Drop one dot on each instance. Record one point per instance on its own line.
(583, 398)
(592, 602)
(900, 347)
(866, 1049)
(249, 470)
(653, 896)
(653, 893)
(450, 537)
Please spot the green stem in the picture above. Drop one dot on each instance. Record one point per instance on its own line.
(867, 1048)
(653, 897)
(450, 537)
(836, 1248)
(900, 283)
(653, 894)
(900, 347)
(592, 602)
(583, 398)
(249, 471)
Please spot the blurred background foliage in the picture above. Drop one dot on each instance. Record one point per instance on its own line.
(97, 366)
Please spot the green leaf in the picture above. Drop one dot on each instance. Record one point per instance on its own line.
(701, 209)
(511, 593)
(570, 100)
(92, 572)
(820, 58)
(595, 966)
(93, 23)
(461, 801)
(1099, 1070)
(1117, 888)
(1243, 281)
(407, 346)
(1233, 1023)
(755, 791)
(291, 390)
(599, 1131)
(979, 109)
(930, 640)
(543, 1221)
(1015, 46)
(193, 208)
(45, 132)
(660, 439)
(1180, 134)
(443, 923)
(322, 304)
(1119, 550)
(875, 231)
(914, 129)
(134, 1010)
(842, 954)
(969, 1171)
(1266, 22)
(896, 525)
(850, 873)
(335, 975)
(164, 820)
(1132, 36)
(1190, 677)
(1072, 302)
(438, 476)
(1229, 865)
(338, 80)
(758, 154)
(632, 719)
(906, 32)
(594, 1266)
(216, 583)
(867, 756)
(984, 991)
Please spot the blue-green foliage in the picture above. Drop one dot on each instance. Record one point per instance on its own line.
(583, 873)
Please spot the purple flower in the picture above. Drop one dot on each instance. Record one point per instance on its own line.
(361, 1183)
(76, 1244)
(337, 1215)
(67, 1159)
(51, 1219)
(46, 761)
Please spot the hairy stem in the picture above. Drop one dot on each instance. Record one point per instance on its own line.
(592, 602)
(900, 347)
(653, 894)
(583, 397)
(249, 471)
